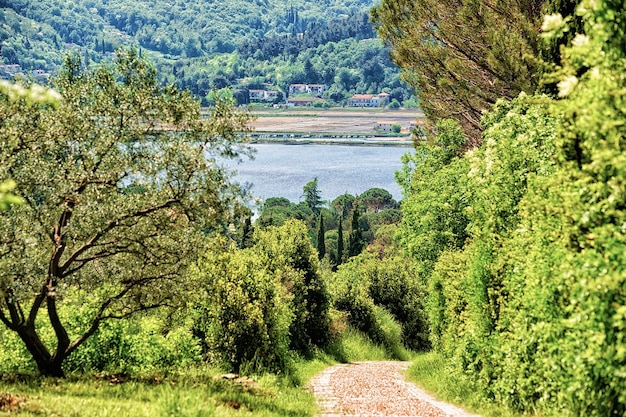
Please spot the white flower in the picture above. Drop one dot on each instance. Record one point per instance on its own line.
(53, 96)
(552, 22)
(580, 40)
(567, 85)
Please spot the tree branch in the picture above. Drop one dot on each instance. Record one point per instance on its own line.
(15, 310)
(34, 310)
(63, 340)
(6, 321)
(99, 317)
(112, 225)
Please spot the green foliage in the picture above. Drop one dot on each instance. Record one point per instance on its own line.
(377, 199)
(119, 186)
(350, 295)
(355, 240)
(312, 196)
(140, 346)
(6, 198)
(340, 243)
(573, 235)
(201, 47)
(378, 205)
(456, 78)
(529, 307)
(396, 288)
(261, 301)
(434, 184)
(382, 279)
(343, 204)
(288, 253)
(321, 233)
(467, 282)
(245, 315)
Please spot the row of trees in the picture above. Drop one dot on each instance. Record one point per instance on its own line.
(356, 27)
(347, 67)
(186, 29)
(520, 241)
(340, 230)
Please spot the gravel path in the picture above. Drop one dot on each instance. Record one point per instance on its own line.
(375, 389)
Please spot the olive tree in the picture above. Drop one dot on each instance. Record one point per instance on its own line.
(120, 183)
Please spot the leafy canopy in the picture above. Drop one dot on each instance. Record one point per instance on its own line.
(120, 185)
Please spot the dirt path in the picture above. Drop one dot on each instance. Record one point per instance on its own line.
(375, 389)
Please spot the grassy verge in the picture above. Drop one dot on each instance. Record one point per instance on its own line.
(429, 372)
(188, 394)
(193, 392)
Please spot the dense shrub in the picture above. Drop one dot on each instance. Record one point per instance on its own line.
(262, 301)
(152, 343)
(382, 278)
(244, 316)
(350, 295)
(433, 180)
(288, 254)
(395, 287)
(141, 346)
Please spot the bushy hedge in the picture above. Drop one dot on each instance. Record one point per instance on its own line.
(262, 301)
(531, 304)
(244, 316)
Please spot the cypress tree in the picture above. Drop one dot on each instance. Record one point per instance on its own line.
(340, 242)
(321, 244)
(247, 238)
(355, 243)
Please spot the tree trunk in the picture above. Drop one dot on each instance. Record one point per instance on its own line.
(47, 364)
(51, 368)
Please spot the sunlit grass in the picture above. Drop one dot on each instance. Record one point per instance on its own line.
(196, 393)
(429, 371)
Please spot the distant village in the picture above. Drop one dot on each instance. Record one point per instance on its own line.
(13, 71)
(310, 94)
(299, 94)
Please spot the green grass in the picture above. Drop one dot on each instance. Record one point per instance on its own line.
(196, 392)
(429, 371)
(184, 395)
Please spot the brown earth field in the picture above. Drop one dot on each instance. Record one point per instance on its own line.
(330, 121)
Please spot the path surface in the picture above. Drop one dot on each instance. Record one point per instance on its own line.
(375, 389)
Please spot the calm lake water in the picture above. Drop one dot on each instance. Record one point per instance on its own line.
(282, 170)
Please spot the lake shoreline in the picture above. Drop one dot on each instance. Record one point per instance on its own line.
(398, 142)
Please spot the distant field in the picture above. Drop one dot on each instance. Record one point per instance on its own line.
(323, 121)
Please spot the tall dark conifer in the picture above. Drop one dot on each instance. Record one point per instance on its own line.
(321, 243)
(340, 242)
(355, 242)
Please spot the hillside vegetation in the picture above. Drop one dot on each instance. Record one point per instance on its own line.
(209, 45)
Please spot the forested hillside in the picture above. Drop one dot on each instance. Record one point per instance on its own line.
(267, 44)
